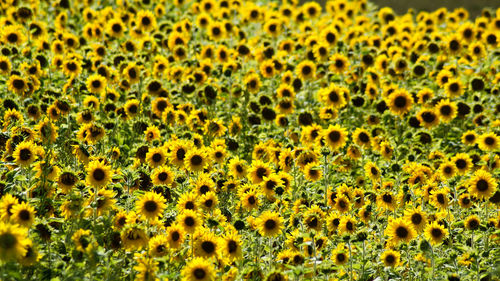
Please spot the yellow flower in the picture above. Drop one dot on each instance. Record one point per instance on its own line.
(269, 223)
(98, 174)
(435, 233)
(400, 230)
(151, 205)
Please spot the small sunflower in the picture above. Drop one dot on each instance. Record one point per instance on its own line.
(269, 223)
(198, 269)
(98, 174)
(435, 233)
(17, 84)
(390, 258)
(13, 241)
(162, 176)
(175, 235)
(96, 84)
(26, 153)
(258, 171)
(400, 230)
(134, 237)
(335, 136)
(23, 214)
(472, 222)
(196, 160)
(340, 255)
(189, 220)
(151, 205)
(83, 240)
(488, 141)
(306, 70)
(400, 102)
(482, 185)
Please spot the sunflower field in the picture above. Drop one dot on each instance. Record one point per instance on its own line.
(270, 140)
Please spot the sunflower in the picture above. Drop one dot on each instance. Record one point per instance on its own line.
(67, 180)
(306, 70)
(269, 224)
(162, 175)
(215, 128)
(465, 201)
(132, 108)
(447, 169)
(400, 230)
(312, 172)
(71, 67)
(209, 200)
(44, 169)
(17, 84)
(338, 63)
(115, 27)
(417, 217)
(13, 241)
(313, 218)
(31, 257)
(333, 96)
(26, 153)
(482, 185)
(134, 237)
(428, 117)
(8, 201)
(196, 160)
(96, 84)
(159, 106)
(469, 137)
(131, 73)
(206, 244)
(151, 205)
(152, 133)
(440, 198)
(250, 200)
(462, 162)
(156, 157)
(98, 174)
(175, 235)
(340, 255)
(5, 65)
(390, 258)
(342, 203)
(189, 220)
(23, 214)
(158, 246)
(216, 30)
(178, 150)
(347, 225)
(83, 240)
(258, 171)
(12, 34)
(252, 82)
(446, 110)
(387, 201)
(454, 88)
(372, 171)
(145, 20)
(198, 269)
(335, 136)
(400, 102)
(488, 141)
(435, 233)
(146, 267)
(472, 222)
(362, 138)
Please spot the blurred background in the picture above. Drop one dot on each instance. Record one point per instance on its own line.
(401, 6)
